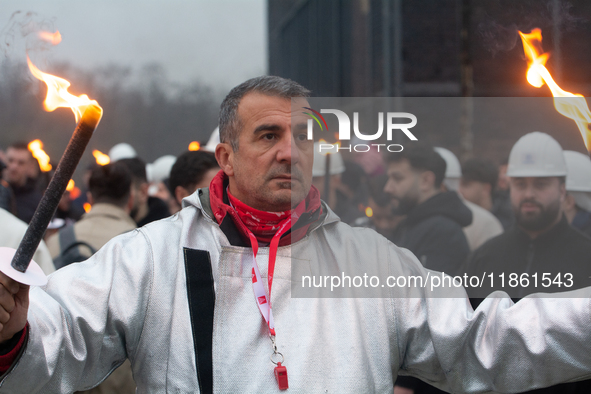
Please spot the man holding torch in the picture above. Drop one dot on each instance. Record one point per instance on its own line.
(176, 296)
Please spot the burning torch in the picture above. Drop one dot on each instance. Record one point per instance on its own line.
(571, 105)
(17, 264)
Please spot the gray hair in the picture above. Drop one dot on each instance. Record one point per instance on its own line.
(230, 123)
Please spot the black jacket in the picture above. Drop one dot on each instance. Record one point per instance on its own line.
(561, 250)
(582, 222)
(433, 232)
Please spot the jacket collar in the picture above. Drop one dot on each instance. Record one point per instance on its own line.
(201, 200)
(550, 236)
(446, 204)
(110, 210)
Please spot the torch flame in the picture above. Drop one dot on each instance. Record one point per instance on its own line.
(74, 191)
(87, 207)
(101, 158)
(193, 146)
(571, 105)
(368, 212)
(58, 95)
(36, 149)
(52, 38)
(71, 185)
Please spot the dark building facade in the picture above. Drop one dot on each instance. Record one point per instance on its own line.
(429, 48)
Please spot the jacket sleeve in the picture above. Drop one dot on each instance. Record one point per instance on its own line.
(499, 347)
(86, 321)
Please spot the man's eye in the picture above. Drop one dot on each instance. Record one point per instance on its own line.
(269, 137)
(302, 137)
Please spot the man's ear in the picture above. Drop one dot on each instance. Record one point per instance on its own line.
(224, 154)
(563, 193)
(427, 180)
(569, 202)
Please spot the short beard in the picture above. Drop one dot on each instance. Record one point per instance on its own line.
(405, 205)
(540, 221)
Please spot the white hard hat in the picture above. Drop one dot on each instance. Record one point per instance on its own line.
(453, 169)
(122, 151)
(214, 140)
(536, 155)
(160, 169)
(337, 164)
(578, 178)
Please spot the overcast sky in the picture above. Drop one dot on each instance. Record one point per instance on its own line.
(220, 42)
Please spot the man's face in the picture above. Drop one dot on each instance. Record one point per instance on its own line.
(536, 201)
(474, 191)
(272, 168)
(403, 185)
(503, 180)
(19, 162)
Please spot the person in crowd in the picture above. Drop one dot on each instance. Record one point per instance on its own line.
(122, 151)
(7, 201)
(158, 174)
(484, 225)
(111, 200)
(2, 159)
(176, 297)
(12, 231)
(336, 168)
(577, 203)
(432, 228)
(20, 165)
(192, 170)
(352, 193)
(80, 201)
(67, 210)
(478, 181)
(501, 204)
(541, 244)
(146, 208)
(339, 196)
(381, 209)
(434, 219)
(110, 196)
(541, 235)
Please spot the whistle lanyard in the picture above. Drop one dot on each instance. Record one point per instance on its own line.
(263, 299)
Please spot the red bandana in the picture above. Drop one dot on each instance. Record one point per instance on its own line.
(262, 224)
(268, 227)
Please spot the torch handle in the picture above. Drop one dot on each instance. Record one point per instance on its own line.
(51, 198)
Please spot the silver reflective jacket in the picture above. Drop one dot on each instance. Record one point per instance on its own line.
(130, 301)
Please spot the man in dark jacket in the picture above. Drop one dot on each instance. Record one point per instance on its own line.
(432, 229)
(146, 208)
(20, 164)
(526, 255)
